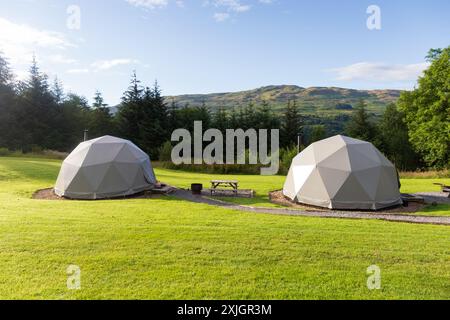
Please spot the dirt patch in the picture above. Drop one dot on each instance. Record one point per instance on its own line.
(49, 194)
(277, 197)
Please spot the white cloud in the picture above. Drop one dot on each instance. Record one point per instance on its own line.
(108, 64)
(241, 8)
(368, 71)
(149, 4)
(231, 5)
(78, 71)
(103, 65)
(61, 59)
(221, 16)
(19, 41)
(227, 8)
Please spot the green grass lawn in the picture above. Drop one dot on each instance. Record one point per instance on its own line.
(170, 249)
(422, 185)
(438, 210)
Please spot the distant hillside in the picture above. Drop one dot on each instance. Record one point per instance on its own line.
(311, 100)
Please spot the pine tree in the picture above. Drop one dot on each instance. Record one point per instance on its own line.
(247, 117)
(264, 118)
(37, 83)
(233, 119)
(37, 115)
(220, 120)
(154, 124)
(6, 76)
(99, 102)
(361, 126)
(242, 115)
(130, 111)
(173, 121)
(135, 91)
(58, 91)
(291, 127)
(203, 114)
(101, 121)
(7, 101)
(75, 118)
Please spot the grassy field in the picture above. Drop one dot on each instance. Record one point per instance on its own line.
(171, 249)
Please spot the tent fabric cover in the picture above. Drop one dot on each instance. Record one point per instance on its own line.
(102, 168)
(343, 173)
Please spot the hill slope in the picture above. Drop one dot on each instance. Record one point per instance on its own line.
(311, 100)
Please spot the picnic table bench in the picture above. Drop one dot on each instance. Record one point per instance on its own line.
(445, 188)
(215, 184)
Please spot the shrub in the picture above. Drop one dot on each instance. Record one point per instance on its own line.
(165, 152)
(215, 168)
(36, 149)
(425, 174)
(4, 152)
(286, 156)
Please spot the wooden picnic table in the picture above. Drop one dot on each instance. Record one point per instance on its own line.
(215, 184)
(445, 188)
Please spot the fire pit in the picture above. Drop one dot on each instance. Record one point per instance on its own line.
(197, 188)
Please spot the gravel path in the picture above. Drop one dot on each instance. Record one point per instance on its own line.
(187, 195)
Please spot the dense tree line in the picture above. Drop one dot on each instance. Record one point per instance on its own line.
(389, 134)
(35, 114)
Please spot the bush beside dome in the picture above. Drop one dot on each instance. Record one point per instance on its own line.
(343, 173)
(107, 167)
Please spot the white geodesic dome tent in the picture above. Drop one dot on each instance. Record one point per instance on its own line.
(343, 173)
(102, 168)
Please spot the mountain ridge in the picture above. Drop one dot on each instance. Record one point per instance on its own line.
(309, 99)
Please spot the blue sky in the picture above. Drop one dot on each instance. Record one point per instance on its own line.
(203, 46)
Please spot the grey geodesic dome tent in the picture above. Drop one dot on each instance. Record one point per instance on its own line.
(106, 167)
(343, 173)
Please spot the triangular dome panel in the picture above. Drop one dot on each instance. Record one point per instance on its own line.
(102, 153)
(305, 158)
(369, 179)
(338, 160)
(352, 191)
(314, 190)
(96, 174)
(333, 180)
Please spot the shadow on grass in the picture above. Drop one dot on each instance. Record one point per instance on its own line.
(440, 209)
